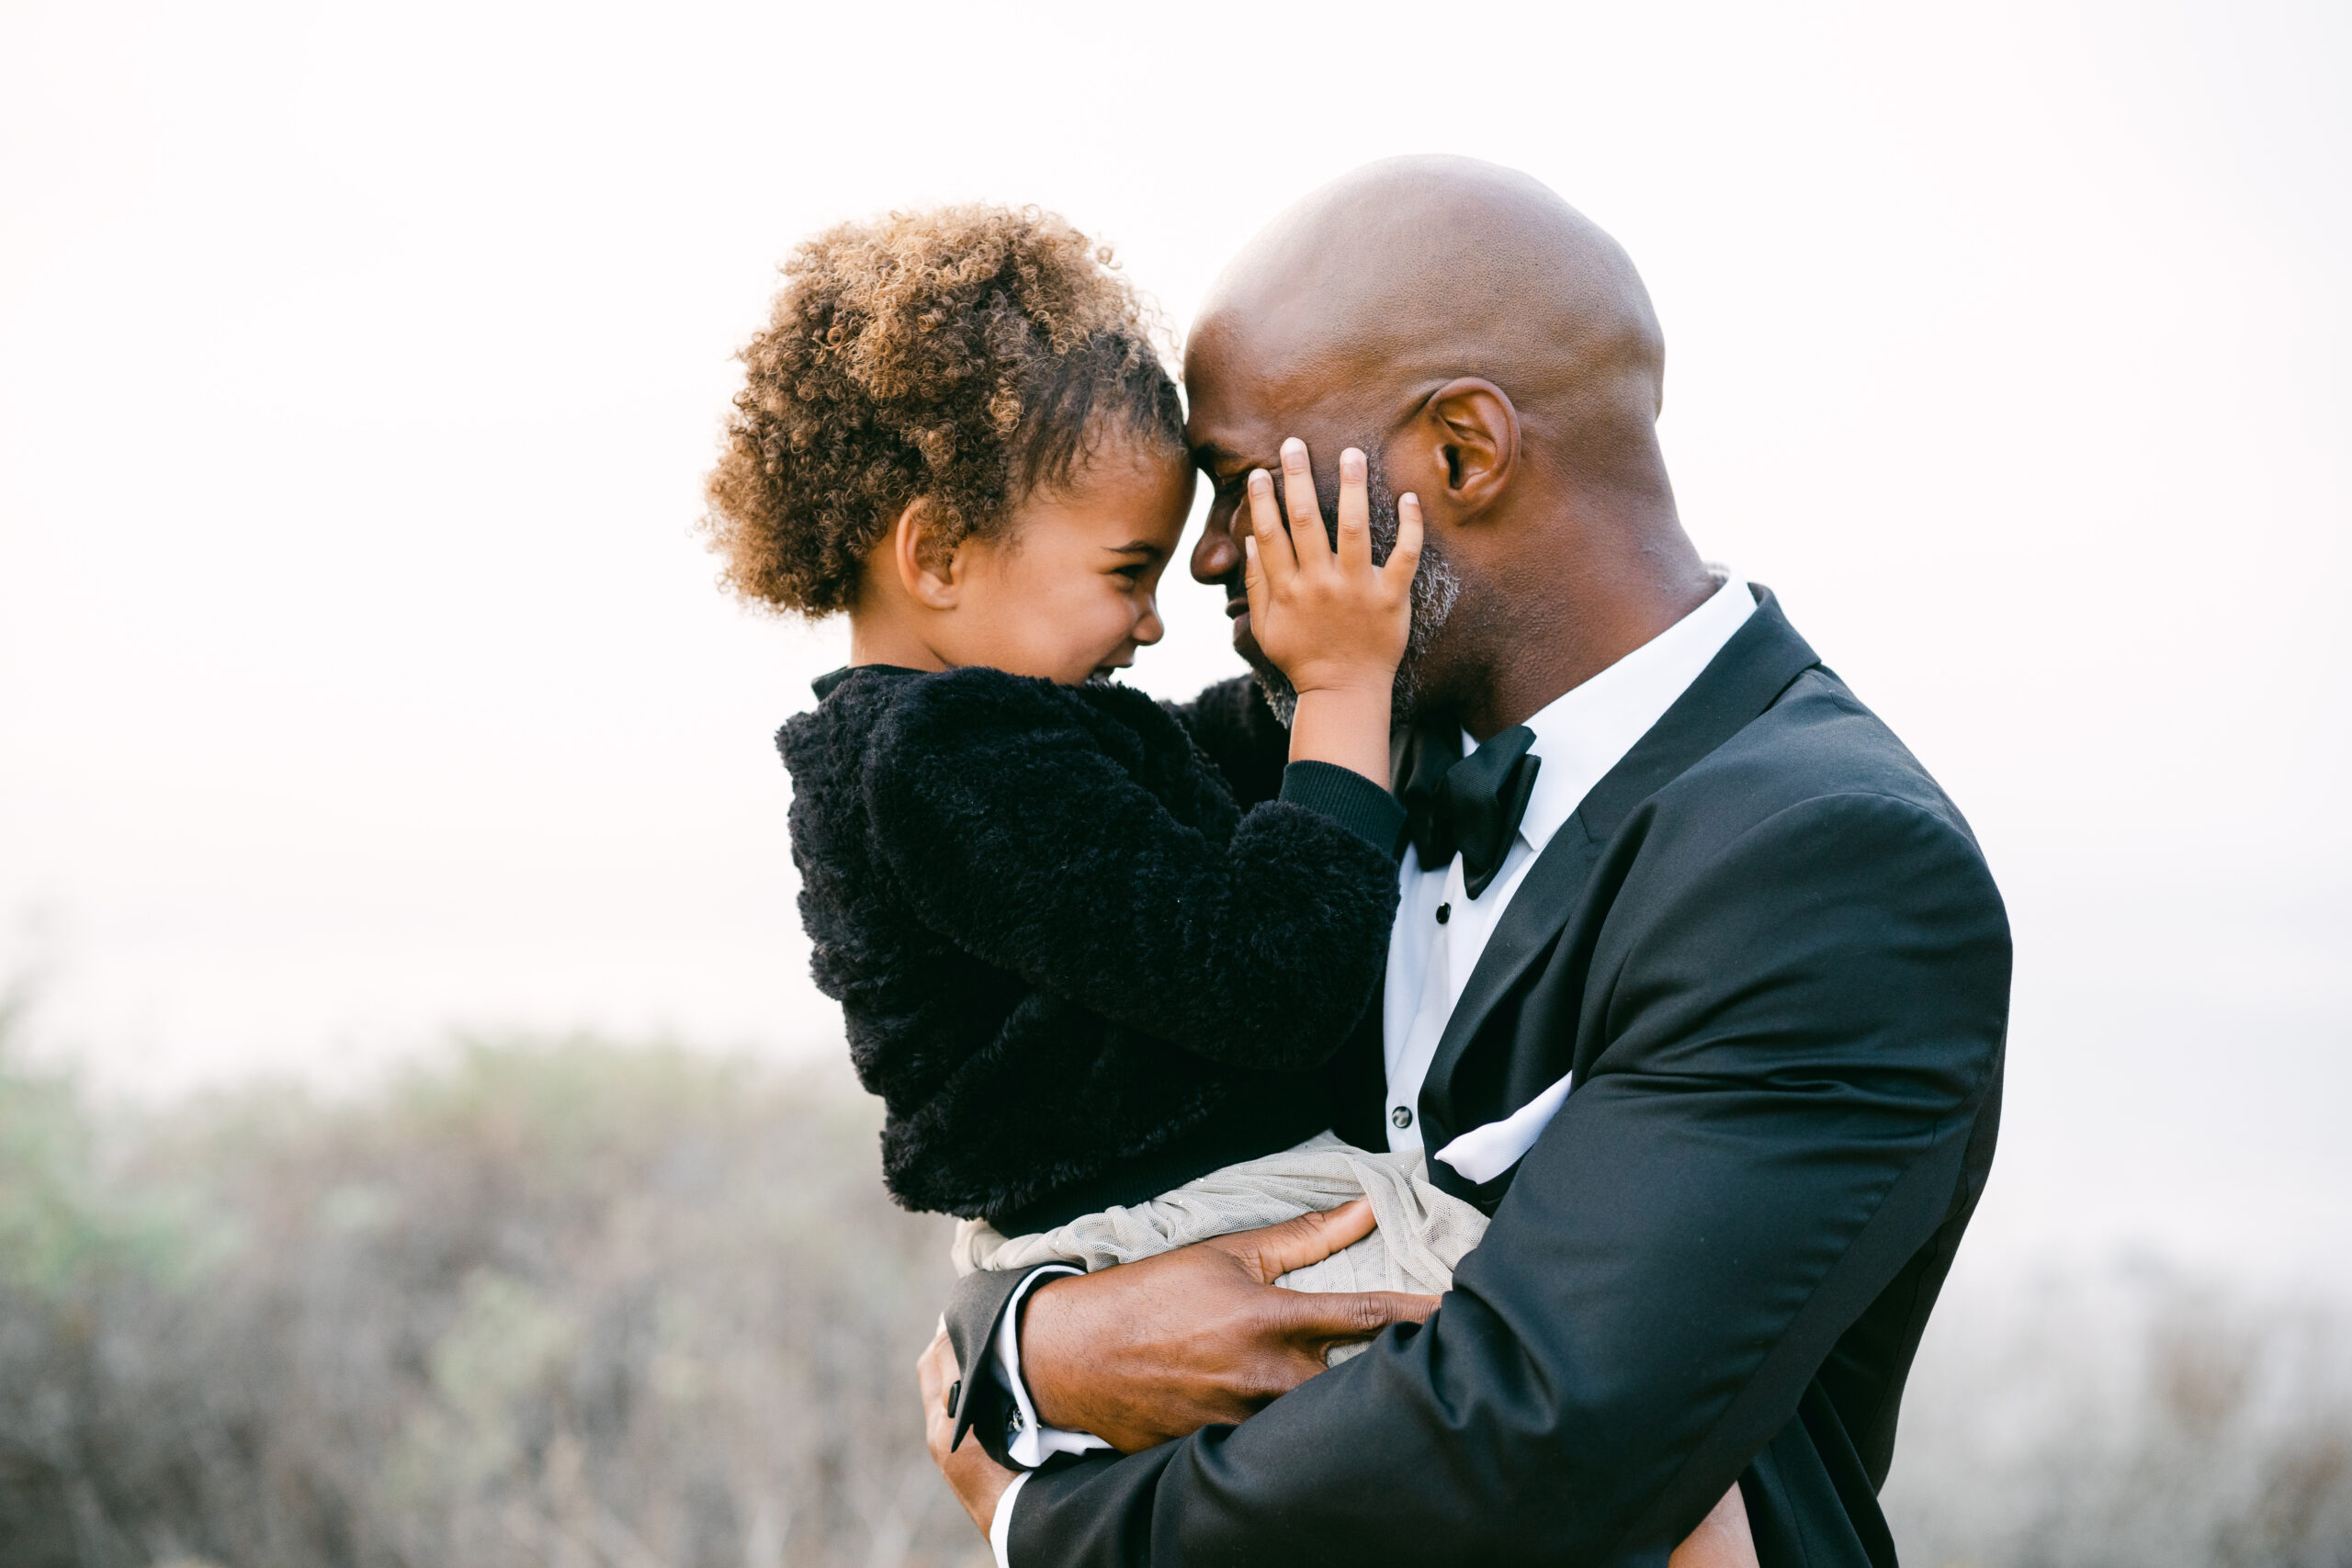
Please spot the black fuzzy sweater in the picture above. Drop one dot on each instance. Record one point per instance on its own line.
(1075, 969)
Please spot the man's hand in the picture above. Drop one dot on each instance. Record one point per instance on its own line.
(1153, 1350)
(978, 1481)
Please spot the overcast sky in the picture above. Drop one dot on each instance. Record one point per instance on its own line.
(360, 677)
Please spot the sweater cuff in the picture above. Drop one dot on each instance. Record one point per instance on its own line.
(1349, 798)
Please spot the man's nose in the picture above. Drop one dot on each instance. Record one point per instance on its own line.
(1216, 558)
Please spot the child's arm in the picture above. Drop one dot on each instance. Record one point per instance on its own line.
(1333, 621)
(1010, 819)
(1233, 729)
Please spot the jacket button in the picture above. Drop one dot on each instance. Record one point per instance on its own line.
(1401, 1117)
(1444, 913)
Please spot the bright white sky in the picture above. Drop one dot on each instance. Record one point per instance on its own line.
(358, 365)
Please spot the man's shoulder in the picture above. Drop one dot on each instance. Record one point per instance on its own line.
(1813, 824)
(1817, 748)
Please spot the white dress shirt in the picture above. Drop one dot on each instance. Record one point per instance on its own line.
(1440, 930)
(1580, 735)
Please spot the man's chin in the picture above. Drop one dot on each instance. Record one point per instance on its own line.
(1246, 645)
(1273, 684)
(1254, 656)
(1279, 693)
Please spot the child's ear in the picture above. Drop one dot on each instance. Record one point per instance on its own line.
(924, 559)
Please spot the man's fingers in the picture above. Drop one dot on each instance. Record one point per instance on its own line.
(1406, 558)
(935, 1368)
(1355, 513)
(1306, 535)
(1276, 1250)
(1339, 1317)
(978, 1481)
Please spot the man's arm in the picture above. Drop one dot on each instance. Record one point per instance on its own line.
(1293, 1332)
(1795, 1063)
(986, 1487)
(1205, 1302)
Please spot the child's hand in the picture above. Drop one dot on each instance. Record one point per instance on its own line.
(1330, 619)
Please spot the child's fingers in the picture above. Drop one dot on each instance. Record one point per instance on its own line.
(1355, 514)
(1306, 535)
(1253, 579)
(1276, 562)
(1406, 558)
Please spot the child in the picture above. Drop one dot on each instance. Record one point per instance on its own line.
(1082, 956)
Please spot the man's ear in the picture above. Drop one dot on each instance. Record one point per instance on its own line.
(925, 562)
(1472, 431)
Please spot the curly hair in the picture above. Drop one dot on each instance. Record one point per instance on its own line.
(965, 355)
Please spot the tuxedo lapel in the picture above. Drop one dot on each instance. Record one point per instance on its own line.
(1743, 680)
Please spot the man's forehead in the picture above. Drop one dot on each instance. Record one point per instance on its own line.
(1243, 429)
(1264, 339)
(1242, 404)
(1220, 435)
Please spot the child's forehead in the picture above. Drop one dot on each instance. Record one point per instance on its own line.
(1119, 499)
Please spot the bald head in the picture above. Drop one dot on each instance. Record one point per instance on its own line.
(1422, 269)
(1495, 353)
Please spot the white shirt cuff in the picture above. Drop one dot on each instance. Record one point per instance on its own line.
(1030, 1442)
(1000, 1526)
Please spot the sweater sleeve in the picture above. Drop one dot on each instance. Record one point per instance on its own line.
(1014, 831)
(1233, 729)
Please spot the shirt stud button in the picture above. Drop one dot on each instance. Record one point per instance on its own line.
(1444, 913)
(1401, 1117)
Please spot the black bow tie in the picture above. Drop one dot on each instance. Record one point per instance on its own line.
(1466, 806)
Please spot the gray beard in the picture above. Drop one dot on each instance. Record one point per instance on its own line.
(1436, 586)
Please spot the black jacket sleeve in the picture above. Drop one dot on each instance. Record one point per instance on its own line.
(1235, 730)
(1015, 832)
(1799, 1044)
(974, 1308)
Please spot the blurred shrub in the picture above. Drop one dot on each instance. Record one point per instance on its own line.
(582, 1307)
(556, 1305)
(2136, 1417)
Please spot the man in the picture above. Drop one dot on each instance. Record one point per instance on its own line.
(1699, 985)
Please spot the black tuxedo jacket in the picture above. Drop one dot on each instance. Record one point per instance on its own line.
(1770, 953)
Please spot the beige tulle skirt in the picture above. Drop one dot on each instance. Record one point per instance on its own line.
(1420, 1235)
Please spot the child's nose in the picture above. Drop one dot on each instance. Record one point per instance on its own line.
(1148, 630)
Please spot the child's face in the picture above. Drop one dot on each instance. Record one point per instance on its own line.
(1067, 590)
